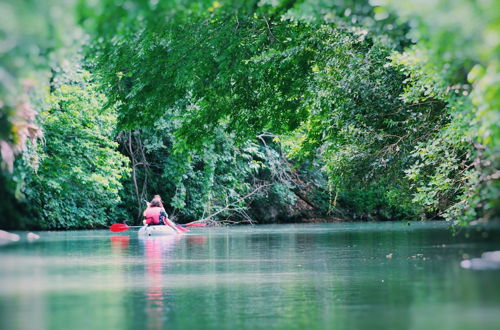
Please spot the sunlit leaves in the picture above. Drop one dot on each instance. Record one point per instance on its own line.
(78, 180)
(326, 77)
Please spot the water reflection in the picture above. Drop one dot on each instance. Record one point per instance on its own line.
(119, 243)
(335, 276)
(196, 240)
(158, 252)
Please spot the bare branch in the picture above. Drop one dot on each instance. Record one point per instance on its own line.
(229, 207)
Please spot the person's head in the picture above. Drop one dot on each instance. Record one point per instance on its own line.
(155, 203)
(157, 199)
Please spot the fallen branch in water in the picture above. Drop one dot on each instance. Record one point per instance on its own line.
(231, 207)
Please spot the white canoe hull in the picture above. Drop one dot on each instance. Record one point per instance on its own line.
(156, 231)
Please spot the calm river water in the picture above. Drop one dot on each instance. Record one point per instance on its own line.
(325, 276)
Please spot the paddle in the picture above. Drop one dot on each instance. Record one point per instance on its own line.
(119, 227)
(198, 224)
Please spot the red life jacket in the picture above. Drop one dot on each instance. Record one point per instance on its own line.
(152, 215)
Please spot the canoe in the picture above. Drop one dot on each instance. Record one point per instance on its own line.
(156, 231)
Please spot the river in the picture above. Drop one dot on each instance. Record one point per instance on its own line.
(391, 275)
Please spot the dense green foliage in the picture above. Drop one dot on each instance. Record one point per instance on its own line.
(457, 61)
(271, 111)
(326, 84)
(33, 35)
(217, 179)
(76, 180)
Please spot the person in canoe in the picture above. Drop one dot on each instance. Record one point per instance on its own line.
(155, 214)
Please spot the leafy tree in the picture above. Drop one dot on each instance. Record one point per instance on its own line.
(327, 85)
(77, 181)
(361, 109)
(26, 53)
(35, 36)
(455, 60)
(220, 181)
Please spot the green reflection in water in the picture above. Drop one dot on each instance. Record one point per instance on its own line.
(329, 276)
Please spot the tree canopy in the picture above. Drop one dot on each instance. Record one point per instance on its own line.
(351, 109)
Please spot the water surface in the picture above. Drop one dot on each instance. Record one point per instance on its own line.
(325, 276)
